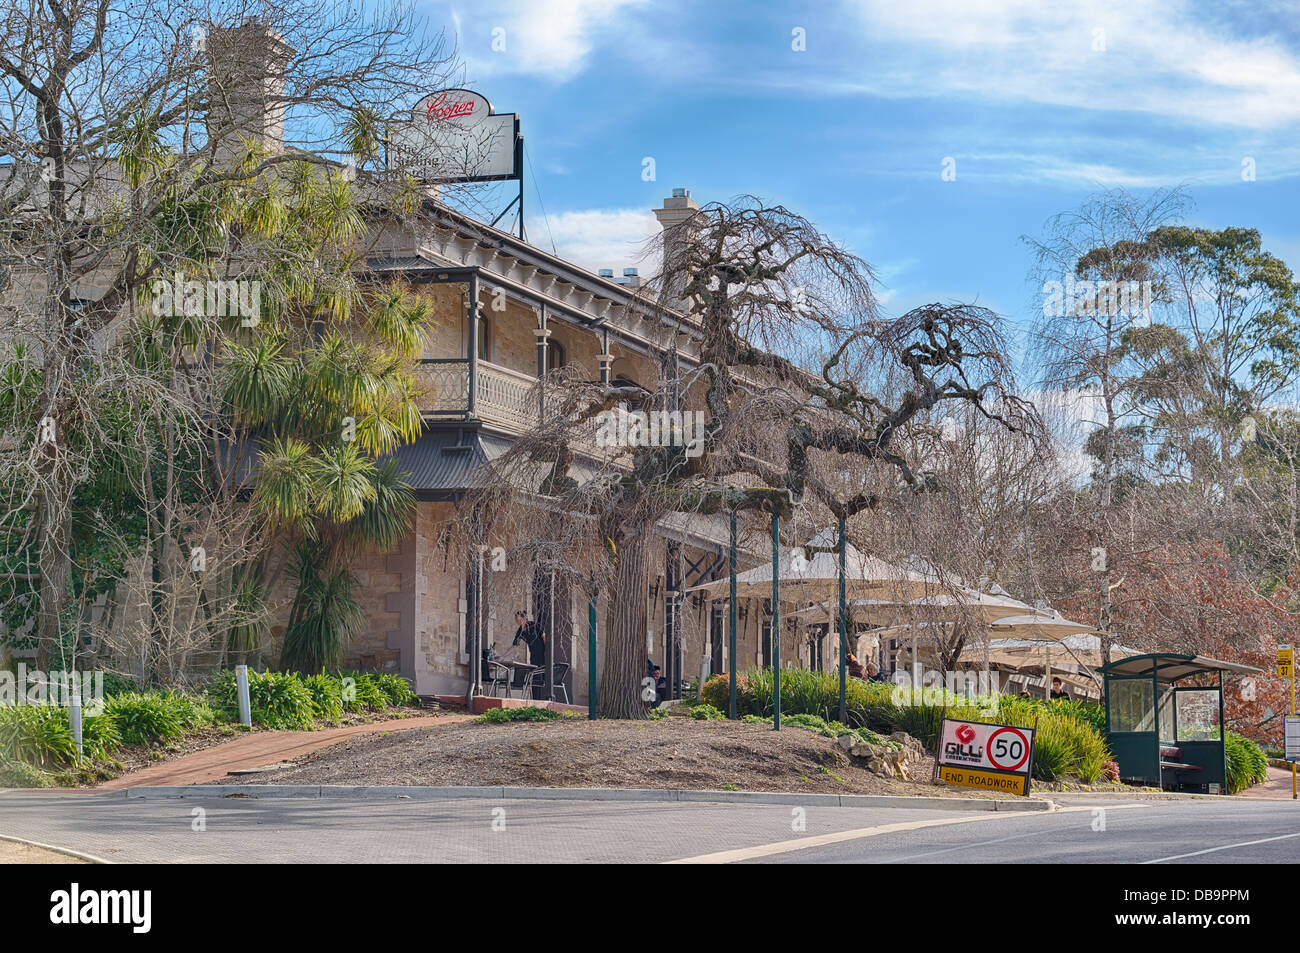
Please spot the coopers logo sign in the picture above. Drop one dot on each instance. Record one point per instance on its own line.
(453, 135)
(974, 754)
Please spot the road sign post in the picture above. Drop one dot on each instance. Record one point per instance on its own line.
(1286, 669)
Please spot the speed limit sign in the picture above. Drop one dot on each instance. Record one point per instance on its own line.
(1008, 749)
(975, 754)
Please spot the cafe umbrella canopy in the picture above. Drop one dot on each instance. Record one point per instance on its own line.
(832, 567)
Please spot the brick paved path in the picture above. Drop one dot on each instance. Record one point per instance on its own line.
(262, 748)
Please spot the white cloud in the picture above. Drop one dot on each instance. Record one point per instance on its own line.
(1163, 56)
(603, 238)
(549, 38)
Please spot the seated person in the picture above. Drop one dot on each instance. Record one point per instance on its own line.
(873, 672)
(854, 667)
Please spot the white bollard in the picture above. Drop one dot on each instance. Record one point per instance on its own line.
(74, 719)
(241, 681)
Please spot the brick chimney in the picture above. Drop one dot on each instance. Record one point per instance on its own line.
(677, 211)
(246, 87)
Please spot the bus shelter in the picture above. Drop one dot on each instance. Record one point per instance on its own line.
(1164, 724)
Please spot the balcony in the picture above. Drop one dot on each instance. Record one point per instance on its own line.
(503, 397)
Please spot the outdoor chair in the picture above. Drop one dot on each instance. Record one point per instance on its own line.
(498, 674)
(537, 679)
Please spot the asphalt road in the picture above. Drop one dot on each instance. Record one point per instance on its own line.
(238, 830)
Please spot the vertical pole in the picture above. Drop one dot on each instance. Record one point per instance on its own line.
(550, 645)
(591, 657)
(844, 636)
(474, 592)
(543, 333)
(74, 715)
(472, 402)
(1293, 772)
(241, 685)
(731, 644)
(776, 620)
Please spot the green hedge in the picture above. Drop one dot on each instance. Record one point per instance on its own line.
(37, 739)
(1070, 739)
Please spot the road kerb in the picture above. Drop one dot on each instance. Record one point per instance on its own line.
(54, 848)
(413, 792)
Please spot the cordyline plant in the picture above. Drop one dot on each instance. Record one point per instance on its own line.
(810, 400)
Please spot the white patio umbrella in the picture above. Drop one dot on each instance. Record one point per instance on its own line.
(940, 607)
(807, 578)
(1043, 626)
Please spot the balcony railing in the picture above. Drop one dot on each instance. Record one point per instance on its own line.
(502, 396)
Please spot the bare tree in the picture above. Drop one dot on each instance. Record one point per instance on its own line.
(756, 283)
(147, 140)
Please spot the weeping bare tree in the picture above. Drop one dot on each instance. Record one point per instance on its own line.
(770, 330)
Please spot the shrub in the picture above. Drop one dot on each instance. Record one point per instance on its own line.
(99, 736)
(365, 692)
(326, 696)
(1246, 762)
(706, 712)
(1066, 741)
(276, 699)
(717, 692)
(20, 774)
(116, 683)
(142, 718)
(395, 688)
(658, 714)
(1071, 737)
(496, 716)
(36, 734)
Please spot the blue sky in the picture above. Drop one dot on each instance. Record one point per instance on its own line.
(1037, 104)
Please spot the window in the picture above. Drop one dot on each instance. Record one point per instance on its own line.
(1131, 705)
(484, 339)
(1167, 729)
(1198, 714)
(554, 354)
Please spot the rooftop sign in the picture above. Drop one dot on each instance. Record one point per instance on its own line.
(454, 136)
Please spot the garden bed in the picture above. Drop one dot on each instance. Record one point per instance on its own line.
(672, 753)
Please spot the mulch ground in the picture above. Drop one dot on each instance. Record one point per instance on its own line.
(672, 753)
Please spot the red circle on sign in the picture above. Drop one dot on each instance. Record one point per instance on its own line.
(988, 747)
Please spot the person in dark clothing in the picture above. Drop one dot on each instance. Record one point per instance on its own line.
(1058, 690)
(661, 684)
(530, 634)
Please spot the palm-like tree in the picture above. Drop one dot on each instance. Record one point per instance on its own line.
(323, 388)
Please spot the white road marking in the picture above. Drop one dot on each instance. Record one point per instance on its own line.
(1211, 850)
(822, 840)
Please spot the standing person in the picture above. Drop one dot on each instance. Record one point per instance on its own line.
(1058, 690)
(532, 635)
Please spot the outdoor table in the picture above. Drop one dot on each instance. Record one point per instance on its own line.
(516, 666)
